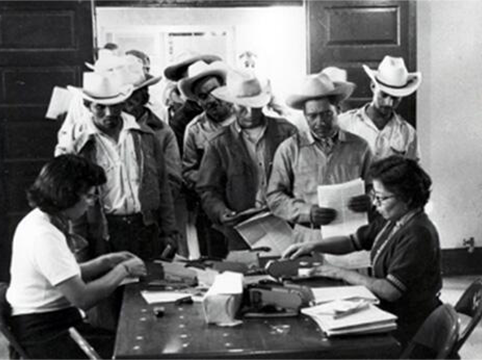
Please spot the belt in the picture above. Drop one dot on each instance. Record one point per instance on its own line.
(128, 219)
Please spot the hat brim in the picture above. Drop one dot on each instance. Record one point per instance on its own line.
(177, 71)
(122, 96)
(152, 80)
(257, 101)
(413, 82)
(186, 85)
(342, 91)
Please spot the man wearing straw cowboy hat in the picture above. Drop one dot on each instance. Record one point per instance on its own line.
(237, 163)
(322, 156)
(134, 210)
(386, 132)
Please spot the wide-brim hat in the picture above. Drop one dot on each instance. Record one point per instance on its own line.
(243, 88)
(393, 78)
(134, 73)
(198, 71)
(317, 86)
(103, 88)
(177, 71)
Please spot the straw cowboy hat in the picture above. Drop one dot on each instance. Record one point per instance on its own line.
(134, 73)
(393, 78)
(335, 74)
(316, 86)
(243, 88)
(103, 88)
(198, 71)
(177, 71)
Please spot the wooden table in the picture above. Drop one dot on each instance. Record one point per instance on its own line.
(183, 333)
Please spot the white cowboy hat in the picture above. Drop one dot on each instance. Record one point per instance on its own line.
(316, 86)
(198, 71)
(134, 74)
(243, 88)
(107, 61)
(103, 88)
(177, 70)
(393, 78)
(335, 74)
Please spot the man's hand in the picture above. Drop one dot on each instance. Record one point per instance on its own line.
(296, 250)
(322, 216)
(229, 218)
(360, 203)
(117, 257)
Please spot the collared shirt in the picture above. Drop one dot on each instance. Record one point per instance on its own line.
(398, 137)
(300, 165)
(199, 133)
(120, 194)
(255, 142)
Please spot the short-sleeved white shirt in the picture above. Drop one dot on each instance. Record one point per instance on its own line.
(41, 259)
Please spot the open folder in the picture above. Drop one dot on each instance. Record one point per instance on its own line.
(266, 230)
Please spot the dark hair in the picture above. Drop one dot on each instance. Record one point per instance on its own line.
(144, 91)
(61, 182)
(405, 178)
(200, 82)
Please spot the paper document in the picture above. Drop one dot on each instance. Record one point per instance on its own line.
(153, 297)
(332, 293)
(59, 102)
(266, 230)
(337, 197)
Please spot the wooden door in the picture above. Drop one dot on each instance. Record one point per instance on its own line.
(42, 44)
(348, 34)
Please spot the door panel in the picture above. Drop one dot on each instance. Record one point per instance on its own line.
(348, 34)
(42, 44)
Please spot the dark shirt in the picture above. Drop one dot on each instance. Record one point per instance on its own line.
(411, 261)
(179, 120)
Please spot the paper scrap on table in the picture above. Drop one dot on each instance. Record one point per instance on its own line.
(129, 280)
(333, 293)
(153, 297)
(266, 230)
(337, 196)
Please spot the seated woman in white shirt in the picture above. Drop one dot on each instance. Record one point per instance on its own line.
(48, 286)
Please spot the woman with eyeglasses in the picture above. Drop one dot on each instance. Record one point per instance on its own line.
(404, 245)
(48, 286)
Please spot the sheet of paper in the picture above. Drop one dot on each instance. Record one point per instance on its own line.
(153, 297)
(347, 222)
(59, 102)
(332, 293)
(227, 283)
(129, 280)
(265, 229)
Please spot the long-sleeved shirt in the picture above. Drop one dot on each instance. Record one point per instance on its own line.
(398, 137)
(300, 165)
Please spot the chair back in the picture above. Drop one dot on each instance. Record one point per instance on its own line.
(5, 312)
(436, 337)
(470, 304)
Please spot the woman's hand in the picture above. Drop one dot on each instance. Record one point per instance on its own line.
(296, 250)
(118, 257)
(329, 271)
(134, 266)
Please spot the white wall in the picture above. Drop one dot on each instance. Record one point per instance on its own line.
(449, 114)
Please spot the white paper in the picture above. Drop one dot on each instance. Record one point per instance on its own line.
(265, 229)
(332, 293)
(153, 297)
(59, 102)
(227, 283)
(337, 197)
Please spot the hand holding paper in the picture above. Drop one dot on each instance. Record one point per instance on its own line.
(322, 215)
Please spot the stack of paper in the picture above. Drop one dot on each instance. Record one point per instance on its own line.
(332, 293)
(338, 318)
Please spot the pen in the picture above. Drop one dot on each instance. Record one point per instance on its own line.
(362, 306)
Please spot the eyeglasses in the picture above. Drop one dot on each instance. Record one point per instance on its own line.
(378, 199)
(91, 198)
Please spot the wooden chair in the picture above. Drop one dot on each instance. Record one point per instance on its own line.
(15, 350)
(469, 304)
(436, 337)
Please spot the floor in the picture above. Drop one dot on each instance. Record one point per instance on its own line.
(452, 289)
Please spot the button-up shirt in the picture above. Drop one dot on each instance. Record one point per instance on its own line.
(300, 165)
(255, 142)
(398, 137)
(120, 194)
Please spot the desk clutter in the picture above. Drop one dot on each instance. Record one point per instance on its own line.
(231, 292)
